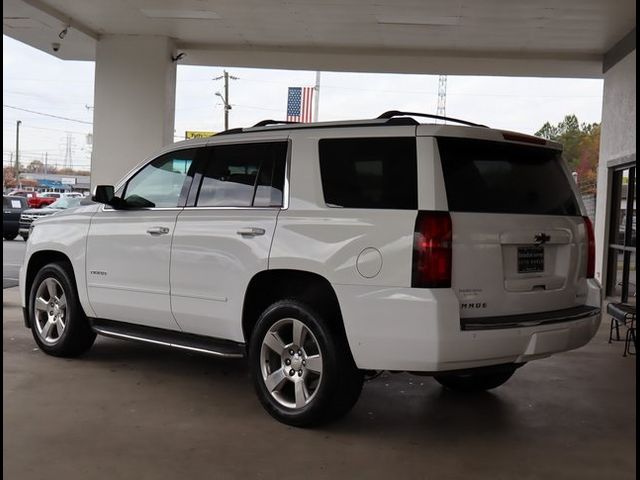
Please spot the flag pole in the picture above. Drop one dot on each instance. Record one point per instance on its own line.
(317, 102)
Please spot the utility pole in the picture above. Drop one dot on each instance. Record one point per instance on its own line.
(317, 102)
(10, 163)
(18, 123)
(46, 163)
(225, 98)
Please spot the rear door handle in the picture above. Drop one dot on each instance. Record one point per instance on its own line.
(158, 230)
(251, 232)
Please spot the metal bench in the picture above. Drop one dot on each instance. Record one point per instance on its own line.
(623, 315)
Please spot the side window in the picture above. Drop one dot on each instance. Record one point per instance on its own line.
(369, 172)
(243, 175)
(159, 183)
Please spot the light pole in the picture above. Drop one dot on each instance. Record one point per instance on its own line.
(18, 123)
(227, 107)
(225, 98)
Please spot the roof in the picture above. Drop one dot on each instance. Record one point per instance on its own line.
(498, 37)
(391, 118)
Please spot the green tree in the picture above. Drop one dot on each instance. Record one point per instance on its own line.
(581, 144)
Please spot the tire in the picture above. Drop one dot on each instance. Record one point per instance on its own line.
(475, 381)
(8, 236)
(325, 383)
(58, 323)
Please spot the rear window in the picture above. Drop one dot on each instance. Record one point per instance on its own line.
(14, 202)
(497, 177)
(369, 172)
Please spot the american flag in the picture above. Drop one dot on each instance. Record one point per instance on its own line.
(299, 104)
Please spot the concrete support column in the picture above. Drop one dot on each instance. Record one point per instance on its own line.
(134, 103)
(617, 144)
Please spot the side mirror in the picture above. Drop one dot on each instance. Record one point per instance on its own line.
(105, 194)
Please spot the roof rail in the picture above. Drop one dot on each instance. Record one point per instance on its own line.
(265, 123)
(396, 113)
(392, 117)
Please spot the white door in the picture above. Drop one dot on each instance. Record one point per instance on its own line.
(223, 238)
(128, 250)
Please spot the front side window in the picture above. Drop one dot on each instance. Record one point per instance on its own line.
(243, 175)
(159, 183)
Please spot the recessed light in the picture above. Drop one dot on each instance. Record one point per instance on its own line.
(404, 19)
(180, 14)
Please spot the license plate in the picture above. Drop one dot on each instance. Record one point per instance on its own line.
(530, 259)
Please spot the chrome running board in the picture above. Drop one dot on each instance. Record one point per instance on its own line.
(168, 338)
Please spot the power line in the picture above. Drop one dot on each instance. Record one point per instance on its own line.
(47, 114)
(32, 127)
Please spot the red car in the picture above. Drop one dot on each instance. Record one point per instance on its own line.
(33, 199)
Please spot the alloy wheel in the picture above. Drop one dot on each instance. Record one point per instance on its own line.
(291, 363)
(50, 310)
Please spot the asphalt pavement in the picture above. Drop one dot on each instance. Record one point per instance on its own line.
(126, 411)
(12, 256)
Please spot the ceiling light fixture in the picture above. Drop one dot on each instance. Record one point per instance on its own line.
(179, 14)
(404, 19)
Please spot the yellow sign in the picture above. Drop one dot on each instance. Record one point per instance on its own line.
(191, 134)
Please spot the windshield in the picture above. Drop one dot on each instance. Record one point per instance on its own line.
(63, 203)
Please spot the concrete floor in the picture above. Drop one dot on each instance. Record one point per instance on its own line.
(12, 257)
(132, 411)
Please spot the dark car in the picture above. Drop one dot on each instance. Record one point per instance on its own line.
(28, 216)
(12, 207)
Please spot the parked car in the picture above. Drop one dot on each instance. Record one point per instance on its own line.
(61, 194)
(12, 207)
(34, 200)
(323, 251)
(22, 193)
(29, 216)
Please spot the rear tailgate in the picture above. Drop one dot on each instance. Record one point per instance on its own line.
(519, 239)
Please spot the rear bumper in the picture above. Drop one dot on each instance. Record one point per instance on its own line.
(420, 330)
(529, 319)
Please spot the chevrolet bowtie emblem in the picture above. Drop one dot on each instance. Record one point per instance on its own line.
(541, 238)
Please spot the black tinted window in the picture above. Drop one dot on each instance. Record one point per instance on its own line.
(14, 202)
(243, 175)
(497, 177)
(369, 172)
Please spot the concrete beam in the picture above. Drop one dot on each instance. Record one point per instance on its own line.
(620, 50)
(540, 64)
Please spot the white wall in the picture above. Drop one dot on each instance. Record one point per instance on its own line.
(617, 143)
(134, 102)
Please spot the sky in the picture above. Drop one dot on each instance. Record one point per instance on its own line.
(36, 81)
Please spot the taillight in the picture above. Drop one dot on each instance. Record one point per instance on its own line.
(432, 250)
(591, 248)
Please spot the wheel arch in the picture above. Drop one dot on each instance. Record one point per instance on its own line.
(269, 286)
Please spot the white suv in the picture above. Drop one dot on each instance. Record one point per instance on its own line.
(326, 251)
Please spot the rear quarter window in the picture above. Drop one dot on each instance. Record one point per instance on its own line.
(377, 173)
(499, 177)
